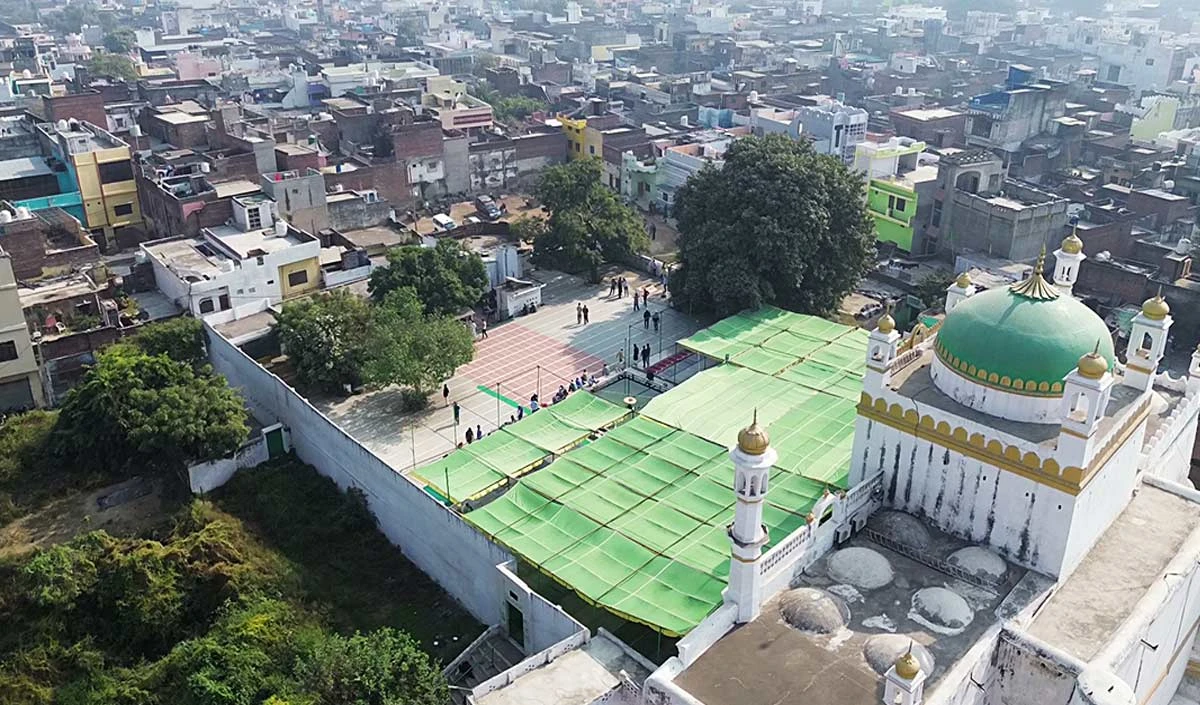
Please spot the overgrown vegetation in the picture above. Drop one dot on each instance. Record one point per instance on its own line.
(280, 591)
(148, 404)
(113, 65)
(588, 225)
(777, 224)
(338, 339)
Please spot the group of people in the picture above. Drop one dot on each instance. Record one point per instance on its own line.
(581, 313)
(618, 287)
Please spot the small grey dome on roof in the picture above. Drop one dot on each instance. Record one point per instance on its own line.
(882, 650)
(901, 527)
(979, 561)
(813, 610)
(864, 568)
(941, 609)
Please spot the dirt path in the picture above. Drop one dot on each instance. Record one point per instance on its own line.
(123, 509)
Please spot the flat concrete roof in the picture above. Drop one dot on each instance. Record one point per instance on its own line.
(1130, 556)
(180, 118)
(769, 661)
(253, 243)
(926, 114)
(236, 187)
(573, 679)
(184, 255)
(23, 168)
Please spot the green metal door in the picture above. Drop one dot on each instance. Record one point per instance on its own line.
(275, 443)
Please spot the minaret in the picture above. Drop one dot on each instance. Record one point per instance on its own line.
(1086, 391)
(882, 346)
(904, 682)
(1147, 342)
(1193, 382)
(752, 462)
(959, 291)
(1067, 259)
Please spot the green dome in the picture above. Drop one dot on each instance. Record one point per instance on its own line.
(1018, 343)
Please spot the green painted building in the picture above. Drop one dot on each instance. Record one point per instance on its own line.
(893, 204)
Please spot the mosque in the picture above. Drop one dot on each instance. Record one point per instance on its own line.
(1018, 527)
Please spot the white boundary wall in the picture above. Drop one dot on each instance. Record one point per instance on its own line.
(461, 560)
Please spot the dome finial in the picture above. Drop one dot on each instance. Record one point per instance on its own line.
(1035, 285)
(1156, 308)
(1093, 365)
(887, 324)
(907, 666)
(753, 439)
(1071, 244)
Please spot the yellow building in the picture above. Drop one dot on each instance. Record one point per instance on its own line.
(574, 130)
(20, 380)
(102, 170)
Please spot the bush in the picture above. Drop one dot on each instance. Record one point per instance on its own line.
(27, 478)
(413, 400)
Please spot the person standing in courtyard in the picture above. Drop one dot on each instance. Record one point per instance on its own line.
(655, 319)
(446, 394)
(621, 358)
(636, 354)
(635, 301)
(646, 318)
(578, 314)
(483, 329)
(478, 432)
(646, 355)
(470, 435)
(585, 315)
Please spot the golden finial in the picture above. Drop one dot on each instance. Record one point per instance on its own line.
(1093, 365)
(753, 439)
(907, 666)
(1071, 244)
(887, 324)
(963, 280)
(1035, 286)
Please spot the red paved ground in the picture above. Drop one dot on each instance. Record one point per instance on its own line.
(511, 356)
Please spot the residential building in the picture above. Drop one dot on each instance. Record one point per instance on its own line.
(299, 197)
(20, 381)
(1003, 121)
(258, 258)
(977, 209)
(99, 177)
(832, 127)
(447, 100)
(936, 127)
(901, 181)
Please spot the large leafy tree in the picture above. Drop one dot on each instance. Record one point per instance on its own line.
(325, 338)
(446, 278)
(588, 225)
(778, 224)
(413, 349)
(114, 65)
(135, 411)
(121, 41)
(181, 339)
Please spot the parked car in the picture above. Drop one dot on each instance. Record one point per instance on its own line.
(487, 208)
(444, 222)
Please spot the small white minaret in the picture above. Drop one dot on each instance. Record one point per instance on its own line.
(958, 291)
(1086, 391)
(904, 682)
(882, 346)
(1193, 382)
(752, 462)
(1147, 343)
(1067, 259)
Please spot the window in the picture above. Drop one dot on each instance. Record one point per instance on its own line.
(591, 149)
(298, 278)
(123, 209)
(115, 171)
(8, 351)
(1149, 62)
(259, 260)
(254, 219)
(901, 204)
(206, 306)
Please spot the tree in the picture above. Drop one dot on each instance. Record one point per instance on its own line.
(587, 225)
(181, 339)
(385, 667)
(414, 349)
(931, 290)
(121, 41)
(778, 224)
(446, 278)
(135, 411)
(114, 65)
(325, 338)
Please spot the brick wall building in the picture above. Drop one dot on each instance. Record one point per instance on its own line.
(87, 105)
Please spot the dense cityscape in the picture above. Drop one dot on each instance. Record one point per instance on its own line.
(569, 352)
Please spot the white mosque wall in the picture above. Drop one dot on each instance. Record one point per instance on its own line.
(545, 624)
(1168, 452)
(1100, 502)
(459, 558)
(1022, 519)
(996, 402)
